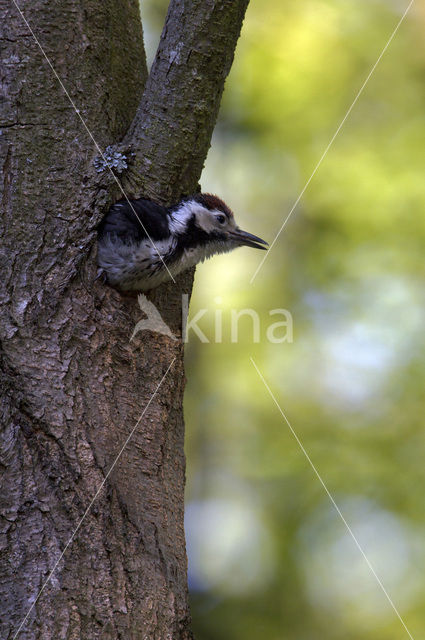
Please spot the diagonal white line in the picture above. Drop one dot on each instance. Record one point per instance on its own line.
(77, 111)
(331, 142)
(93, 500)
(319, 477)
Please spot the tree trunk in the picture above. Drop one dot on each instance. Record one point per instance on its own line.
(73, 387)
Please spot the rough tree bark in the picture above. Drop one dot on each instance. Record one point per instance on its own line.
(72, 385)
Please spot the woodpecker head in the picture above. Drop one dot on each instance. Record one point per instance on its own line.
(211, 221)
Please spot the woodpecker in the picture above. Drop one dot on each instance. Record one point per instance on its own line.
(142, 244)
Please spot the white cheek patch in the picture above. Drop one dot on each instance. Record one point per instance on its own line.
(204, 219)
(207, 221)
(178, 219)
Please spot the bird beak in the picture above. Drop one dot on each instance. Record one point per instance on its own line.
(247, 239)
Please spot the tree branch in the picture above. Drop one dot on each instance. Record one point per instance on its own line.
(172, 130)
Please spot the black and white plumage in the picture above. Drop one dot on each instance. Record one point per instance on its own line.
(142, 244)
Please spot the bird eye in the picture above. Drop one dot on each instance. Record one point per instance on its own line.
(221, 219)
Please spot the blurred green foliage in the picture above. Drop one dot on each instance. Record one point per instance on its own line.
(269, 556)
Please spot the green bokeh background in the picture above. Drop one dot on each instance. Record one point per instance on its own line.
(269, 556)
